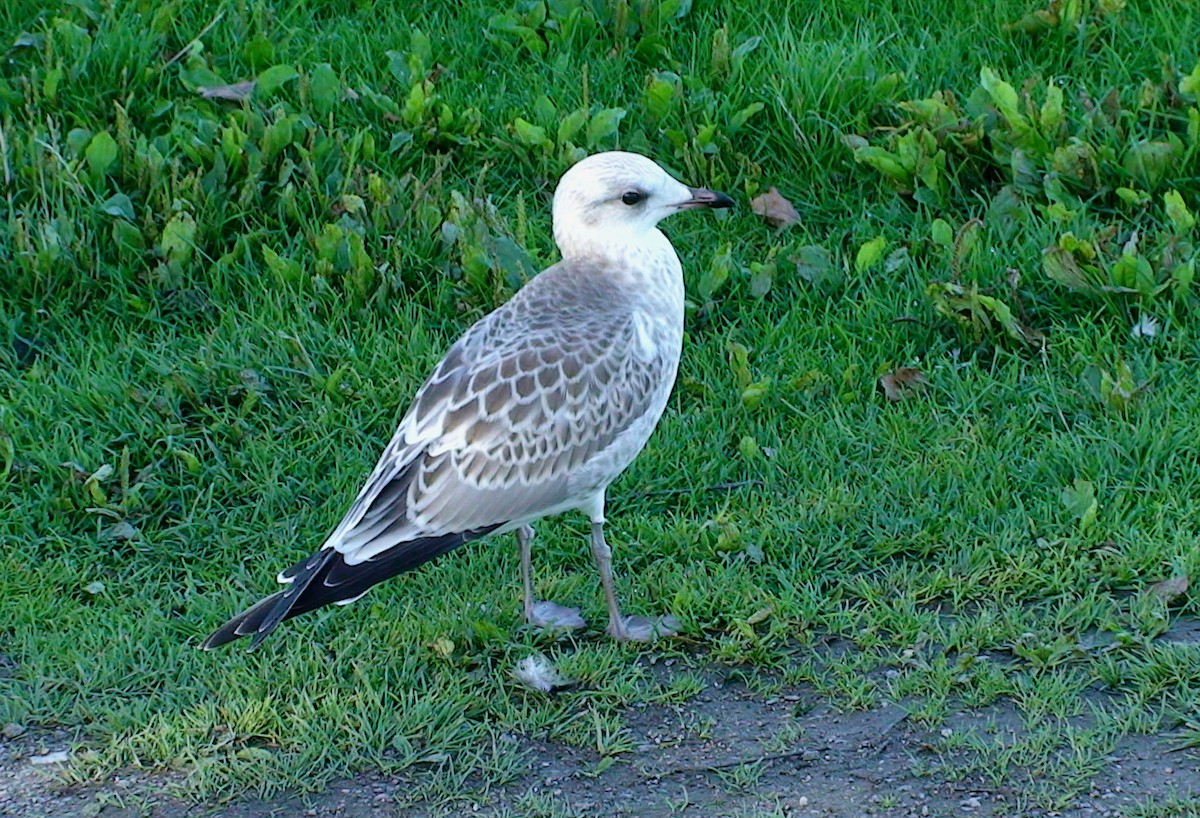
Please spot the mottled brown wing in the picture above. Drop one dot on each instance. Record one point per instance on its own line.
(529, 395)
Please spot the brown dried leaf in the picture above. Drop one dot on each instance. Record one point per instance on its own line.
(777, 210)
(903, 383)
(1169, 589)
(235, 92)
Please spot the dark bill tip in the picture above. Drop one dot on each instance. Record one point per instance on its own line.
(703, 197)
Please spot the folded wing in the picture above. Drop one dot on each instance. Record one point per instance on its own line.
(524, 400)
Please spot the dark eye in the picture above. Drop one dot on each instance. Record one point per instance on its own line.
(632, 197)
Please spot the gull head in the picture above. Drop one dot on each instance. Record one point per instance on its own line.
(615, 199)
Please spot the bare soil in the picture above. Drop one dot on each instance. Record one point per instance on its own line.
(726, 752)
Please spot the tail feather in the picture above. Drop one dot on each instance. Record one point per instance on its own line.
(339, 582)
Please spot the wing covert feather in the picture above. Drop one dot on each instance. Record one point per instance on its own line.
(527, 396)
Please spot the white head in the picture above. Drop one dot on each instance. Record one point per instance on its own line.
(612, 199)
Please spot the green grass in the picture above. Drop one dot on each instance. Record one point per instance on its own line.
(225, 350)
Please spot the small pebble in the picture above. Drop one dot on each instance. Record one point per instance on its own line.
(56, 757)
(12, 730)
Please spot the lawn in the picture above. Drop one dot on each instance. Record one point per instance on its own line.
(217, 299)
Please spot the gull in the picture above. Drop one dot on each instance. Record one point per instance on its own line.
(534, 411)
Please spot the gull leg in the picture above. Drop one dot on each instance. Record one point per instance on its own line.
(624, 628)
(525, 540)
(542, 614)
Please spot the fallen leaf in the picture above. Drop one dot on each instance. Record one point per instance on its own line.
(815, 265)
(122, 531)
(443, 646)
(253, 380)
(761, 277)
(903, 383)
(234, 92)
(777, 210)
(761, 615)
(94, 480)
(896, 259)
(1170, 589)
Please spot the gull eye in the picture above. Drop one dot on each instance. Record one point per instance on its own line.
(632, 197)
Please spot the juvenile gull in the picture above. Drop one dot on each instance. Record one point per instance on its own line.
(533, 412)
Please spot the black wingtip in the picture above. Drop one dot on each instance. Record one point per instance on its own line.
(265, 615)
(249, 621)
(325, 578)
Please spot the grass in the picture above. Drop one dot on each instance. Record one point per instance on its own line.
(214, 315)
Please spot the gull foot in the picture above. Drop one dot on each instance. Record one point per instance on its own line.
(642, 629)
(553, 615)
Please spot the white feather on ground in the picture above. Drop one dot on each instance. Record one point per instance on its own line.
(538, 673)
